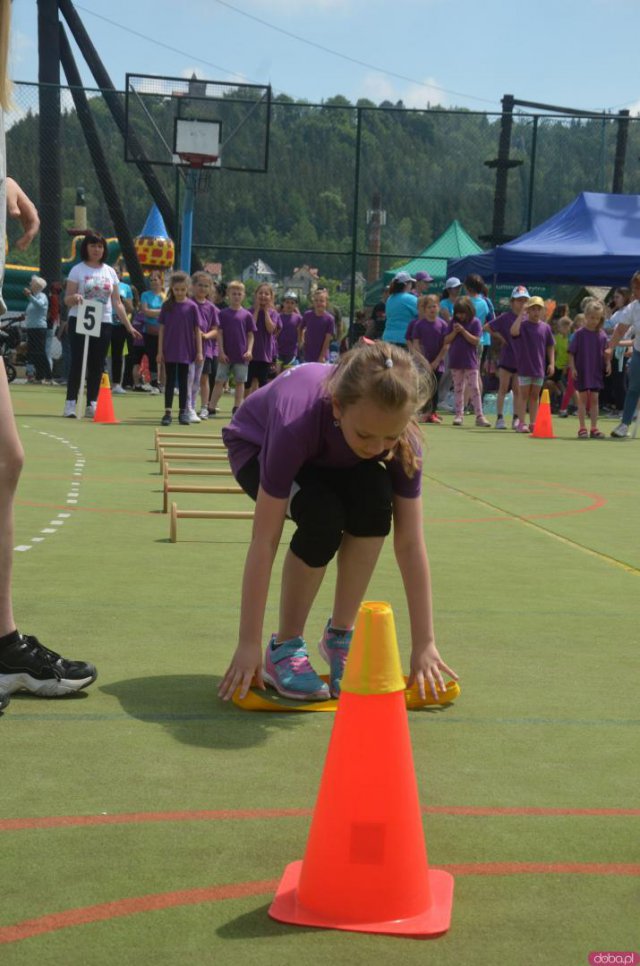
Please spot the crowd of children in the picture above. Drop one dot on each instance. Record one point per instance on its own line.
(459, 334)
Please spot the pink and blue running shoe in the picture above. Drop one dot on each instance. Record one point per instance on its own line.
(334, 648)
(288, 670)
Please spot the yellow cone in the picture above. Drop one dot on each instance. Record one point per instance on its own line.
(104, 382)
(373, 665)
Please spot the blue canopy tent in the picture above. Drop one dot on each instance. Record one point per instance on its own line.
(594, 240)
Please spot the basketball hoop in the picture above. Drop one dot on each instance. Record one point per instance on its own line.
(198, 161)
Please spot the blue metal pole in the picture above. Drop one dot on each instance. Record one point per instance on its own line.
(187, 220)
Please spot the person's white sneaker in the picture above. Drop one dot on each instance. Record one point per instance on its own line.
(204, 413)
(117, 390)
(500, 423)
(90, 411)
(620, 431)
(70, 409)
(193, 416)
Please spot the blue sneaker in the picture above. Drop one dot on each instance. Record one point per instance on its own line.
(334, 648)
(287, 669)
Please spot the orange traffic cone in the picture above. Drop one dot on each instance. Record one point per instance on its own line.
(365, 868)
(543, 428)
(104, 410)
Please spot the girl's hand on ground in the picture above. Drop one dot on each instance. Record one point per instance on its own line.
(427, 666)
(245, 669)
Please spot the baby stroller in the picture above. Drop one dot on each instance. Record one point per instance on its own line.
(10, 339)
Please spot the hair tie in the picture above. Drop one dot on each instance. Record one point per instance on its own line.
(388, 363)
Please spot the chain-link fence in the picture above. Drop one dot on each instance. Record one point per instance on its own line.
(350, 192)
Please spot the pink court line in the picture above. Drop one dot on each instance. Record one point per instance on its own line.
(119, 908)
(217, 815)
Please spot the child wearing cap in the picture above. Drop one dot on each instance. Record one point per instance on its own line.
(535, 358)
(452, 288)
(289, 335)
(500, 328)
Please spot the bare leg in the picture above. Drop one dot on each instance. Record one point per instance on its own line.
(300, 584)
(357, 558)
(594, 409)
(582, 409)
(238, 395)
(11, 461)
(533, 403)
(204, 391)
(215, 395)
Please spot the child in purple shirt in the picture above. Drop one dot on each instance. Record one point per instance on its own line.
(588, 363)
(199, 376)
(289, 335)
(268, 325)
(179, 344)
(326, 447)
(535, 357)
(318, 329)
(462, 338)
(426, 336)
(236, 332)
(500, 328)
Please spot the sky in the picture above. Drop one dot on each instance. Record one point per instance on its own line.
(572, 53)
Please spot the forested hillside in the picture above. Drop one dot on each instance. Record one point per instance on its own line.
(428, 167)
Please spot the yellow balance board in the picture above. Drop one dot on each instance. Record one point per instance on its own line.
(270, 700)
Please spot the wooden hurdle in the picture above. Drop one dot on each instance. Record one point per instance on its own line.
(191, 488)
(163, 447)
(192, 457)
(160, 437)
(177, 514)
(170, 470)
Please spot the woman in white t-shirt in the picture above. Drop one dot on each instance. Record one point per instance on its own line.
(91, 278)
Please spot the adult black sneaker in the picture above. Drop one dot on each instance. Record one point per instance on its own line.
(26, 665)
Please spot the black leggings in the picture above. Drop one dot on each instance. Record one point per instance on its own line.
(98, 348)
(36, 352)
(179, 370)
(331, 502)
(118, 341)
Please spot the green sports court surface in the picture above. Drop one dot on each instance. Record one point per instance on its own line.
(144, 822)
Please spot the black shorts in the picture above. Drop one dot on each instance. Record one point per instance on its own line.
(513, 372)
(210, 366)
(260, 371)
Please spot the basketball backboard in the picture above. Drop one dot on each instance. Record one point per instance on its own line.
(156, 105)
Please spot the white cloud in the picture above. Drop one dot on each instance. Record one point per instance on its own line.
(379, 88)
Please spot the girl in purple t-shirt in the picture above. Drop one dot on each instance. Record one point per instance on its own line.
(200, 376)
(289, 335)
(462, 339)
(500, 328)
(588, 364)
(535, 357)
(338, 451)
(268, 325)
(179, 344)
(318, 328)
(426, 336)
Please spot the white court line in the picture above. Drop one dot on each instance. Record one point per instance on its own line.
(48, 530)
(37, 539)
(23, 546)
(72, 501)
(64, 516)
(56, 523)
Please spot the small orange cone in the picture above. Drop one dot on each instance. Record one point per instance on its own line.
(365, 868)
(104, 410)
(543, 428)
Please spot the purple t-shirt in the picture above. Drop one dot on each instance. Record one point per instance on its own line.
(502, 325)
(264, 341)
(288, 336)
(235, 325)
(207, 320)
(289, 423)
(463, 355)
(587, 348)
(316, 328)
(430, 335)
(179, 321)
(531, 348)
